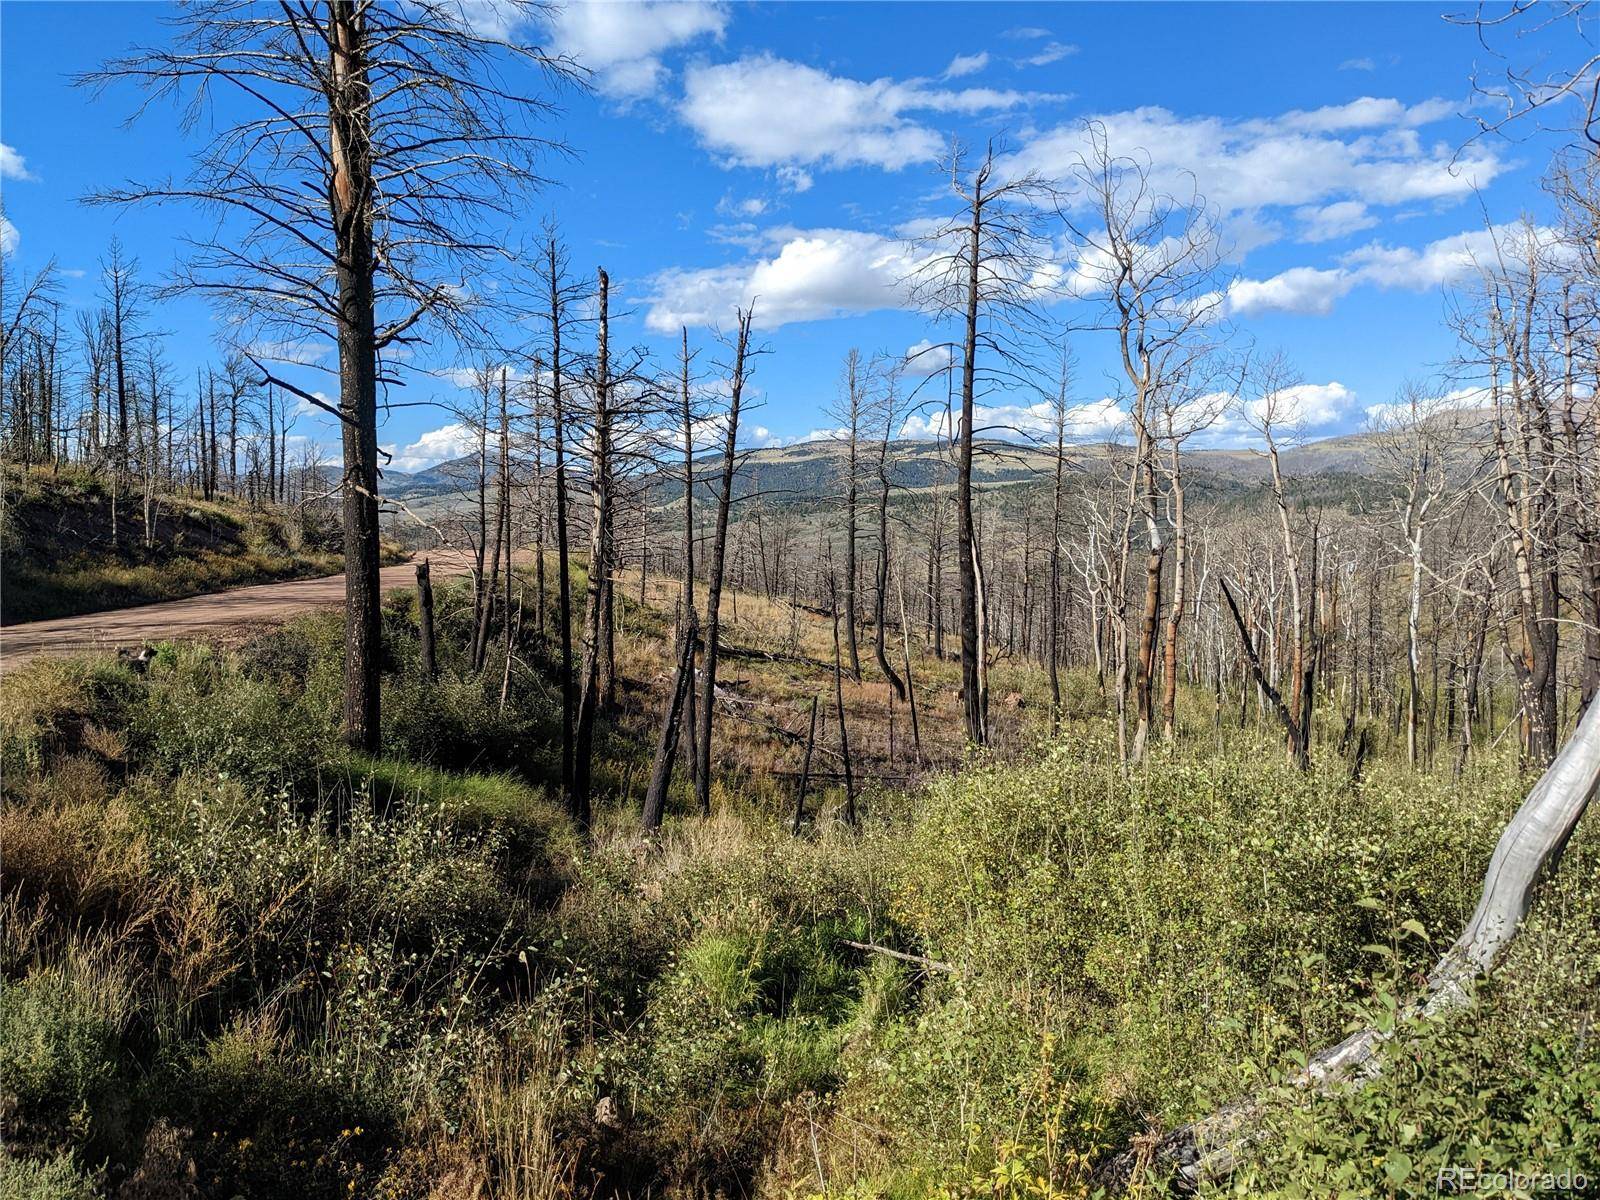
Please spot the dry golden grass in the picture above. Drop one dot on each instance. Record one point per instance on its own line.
(776, 658)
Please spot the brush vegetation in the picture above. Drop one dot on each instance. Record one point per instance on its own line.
(240, 960)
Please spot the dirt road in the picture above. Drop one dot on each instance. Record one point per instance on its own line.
(219, 616)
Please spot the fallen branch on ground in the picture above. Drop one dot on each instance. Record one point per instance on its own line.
(927, 964)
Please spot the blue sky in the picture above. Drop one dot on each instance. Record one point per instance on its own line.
(779, 150)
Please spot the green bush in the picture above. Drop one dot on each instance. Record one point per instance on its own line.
(61, 1032)
(202, 715)
(53, 1179)
(1510, 1084)
(48, 706)
(407, 975)
(266, 1121)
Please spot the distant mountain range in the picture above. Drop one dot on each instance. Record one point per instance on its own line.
(808, 475)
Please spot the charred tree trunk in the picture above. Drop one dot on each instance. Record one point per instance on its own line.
(352, 199)
(805, 770)
(430, 666)
(490, 579)
(853, 399)
(973, 697)
(596, 606)
(838, 705)
(558, 418)
(686, 415)
(719, 552)
(655, 796)
(880, 597)
(1300, 749)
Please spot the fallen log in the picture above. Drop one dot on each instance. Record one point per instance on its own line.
(927, 964)
(774, 656)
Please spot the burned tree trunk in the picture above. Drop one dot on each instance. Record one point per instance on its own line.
(691, 617)
(880, 594)
(655, 796)
(596, 603)
(838, 705)
(851, 573)
(425, 636)
(719, 554)
(1299, 746)
(488, 581)
(351, 197)
(805, 770)
(558, 420)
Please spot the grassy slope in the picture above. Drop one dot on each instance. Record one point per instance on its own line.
(234, 953)
(59, 558)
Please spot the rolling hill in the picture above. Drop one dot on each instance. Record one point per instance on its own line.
(806, 476)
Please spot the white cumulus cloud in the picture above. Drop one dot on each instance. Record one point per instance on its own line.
(1096, 420)
(1369, 150)
(436, 446)
(927, 358)
(808, 275)
(1442, 263)
(1325, 222)
(764, 111)
(1310, 291)
(13, 165)
(622, 42)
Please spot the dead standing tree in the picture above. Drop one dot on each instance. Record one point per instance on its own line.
(687, 417)
(680, 715)
(1411, 434)
(848, 413)
(1152, 263)
(1186, 407)
(889, 412)
(719, 554)
(1059, 421)
(376, 142)
(1526, 483)
(983, 266)
(554, 296)
(597, 604)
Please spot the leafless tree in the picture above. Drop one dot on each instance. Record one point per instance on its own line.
(983, 267)
(377, 143)
(1152, 264)
(1412, 436)
(737, 379)
(848, 412)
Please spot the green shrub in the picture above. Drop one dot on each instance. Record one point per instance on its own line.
(61, 1032)
(1509, 1084)
(266, 1121)
(202, 715)
(49, 706)
(52, 1179)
